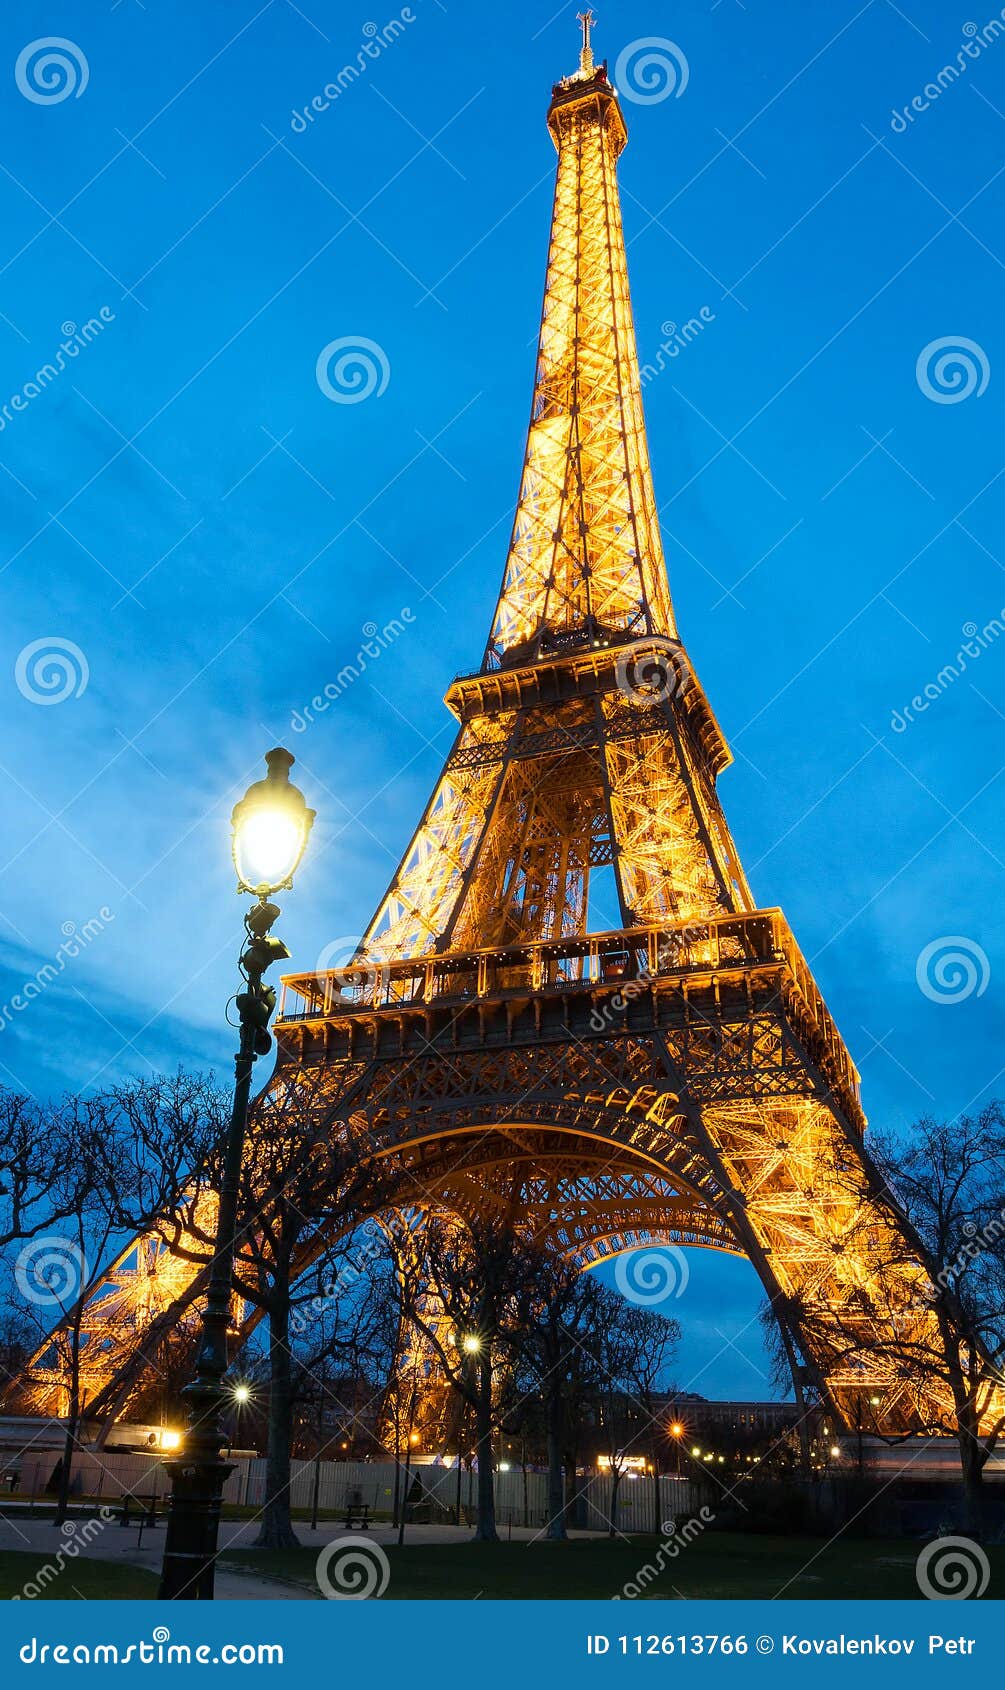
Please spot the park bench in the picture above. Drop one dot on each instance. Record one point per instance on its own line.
(357, 1514)
(137, 1511)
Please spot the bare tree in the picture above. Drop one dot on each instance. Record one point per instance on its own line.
(467, 1290)
(35, 1157)
(945, 1191)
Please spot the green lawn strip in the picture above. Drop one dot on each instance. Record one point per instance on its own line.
(33, 1575)
(720, 1565)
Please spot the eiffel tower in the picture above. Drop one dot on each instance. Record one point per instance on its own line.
(675, 1078)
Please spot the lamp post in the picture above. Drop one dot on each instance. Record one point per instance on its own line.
(269, 830)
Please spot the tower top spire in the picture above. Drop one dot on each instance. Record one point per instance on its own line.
(587, 19)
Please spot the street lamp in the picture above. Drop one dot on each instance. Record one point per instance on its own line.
(269, 832)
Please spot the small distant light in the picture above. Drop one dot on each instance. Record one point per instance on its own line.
(696, 1451)
(242, 1393)
(504, 1466)
(835, 1449)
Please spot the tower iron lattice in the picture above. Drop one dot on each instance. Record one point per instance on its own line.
(673, 1078)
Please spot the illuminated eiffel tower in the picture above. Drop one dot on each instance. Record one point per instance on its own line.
(675, 1078)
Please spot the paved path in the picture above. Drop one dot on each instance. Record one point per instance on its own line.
(41, 1539)
(125, 1543)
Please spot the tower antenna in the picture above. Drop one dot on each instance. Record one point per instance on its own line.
(586, 66)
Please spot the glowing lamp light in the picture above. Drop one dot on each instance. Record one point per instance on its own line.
(270, 828)
(242, 1394)
(696, 1451)
(835, 1449)
(676, 1430)
(471, 1344)
(170, 1440)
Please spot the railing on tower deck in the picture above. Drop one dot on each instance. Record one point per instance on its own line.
(714, 946)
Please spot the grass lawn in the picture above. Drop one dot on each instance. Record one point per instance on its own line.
(718, 1565)
(81, 1580)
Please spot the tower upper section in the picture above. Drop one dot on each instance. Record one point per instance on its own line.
(585, 561)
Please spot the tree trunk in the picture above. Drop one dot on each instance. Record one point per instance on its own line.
(277, 1529)
(556, 1485)
(972, 1464)
(615, 1487)
(72, 1425)
(485, 1530)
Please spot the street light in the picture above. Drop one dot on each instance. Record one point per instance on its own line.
(242, 1395)
(471, 1344)
(269, 832)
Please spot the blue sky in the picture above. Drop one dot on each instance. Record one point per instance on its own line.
(212, 533)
